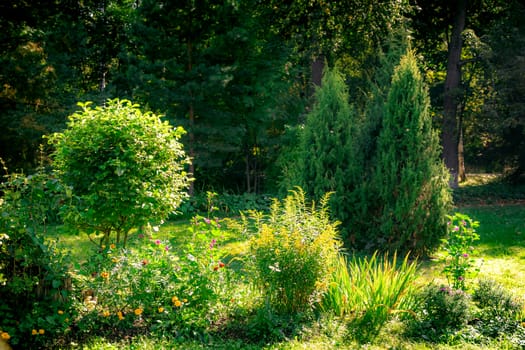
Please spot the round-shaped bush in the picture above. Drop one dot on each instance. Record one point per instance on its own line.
(125, 168)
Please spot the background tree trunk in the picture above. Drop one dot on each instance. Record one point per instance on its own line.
(450, 134)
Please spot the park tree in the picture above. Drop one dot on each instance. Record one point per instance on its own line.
(125, 168)
(410, 179)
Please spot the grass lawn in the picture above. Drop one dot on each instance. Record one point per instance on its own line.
(500, 256)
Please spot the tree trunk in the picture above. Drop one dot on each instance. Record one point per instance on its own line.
(450, 132)
(191, 117)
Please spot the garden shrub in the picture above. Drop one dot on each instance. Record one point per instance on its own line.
(411, 181)
(35, 283)
(124, 168)
(499, 313)
(442, 311)
(328, 159)
(294, 249)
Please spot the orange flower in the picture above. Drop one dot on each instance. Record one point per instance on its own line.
(104, 274)
(138, 311)
(177, 303)
(221, 264)
(5, 336)
(41, 331)
(112, 246)
(105, 313)
(119, 314)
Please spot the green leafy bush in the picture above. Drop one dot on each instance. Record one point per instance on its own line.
(442, 311)
(294, 249)
(499, 312)
(35, 283)
(125, 168)
(368, 292)
(459, 246)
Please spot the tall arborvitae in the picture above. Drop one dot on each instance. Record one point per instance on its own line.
(363, 195)
(326, 144)
(409, 177)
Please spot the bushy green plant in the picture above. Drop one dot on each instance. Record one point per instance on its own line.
(459, 246)
(370, 291)
(125, 168)
(442, 311)
(294, 250)
(411, 180)
(35, 284)
(499, 312)
(150, 287)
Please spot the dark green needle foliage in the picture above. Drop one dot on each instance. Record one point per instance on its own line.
(411, 182)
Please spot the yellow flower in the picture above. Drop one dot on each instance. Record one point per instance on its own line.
(184, 300)
(138, 311)
(5, 336)
(34, 332)
(161, 309)
(60, 312)
(120, 317)
(104, 274)
(174, 299)
(112, 246)
(103, 246)
(41, 331)
(105, 313)
(177, 303)
(115, 260)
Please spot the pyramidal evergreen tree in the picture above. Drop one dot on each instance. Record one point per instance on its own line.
(409, 178)
(326, 160)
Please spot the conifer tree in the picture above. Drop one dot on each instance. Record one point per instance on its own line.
(409, 177)
(326, 145)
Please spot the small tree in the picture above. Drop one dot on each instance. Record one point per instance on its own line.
(410, 179)
(125, 168)
(328, 162)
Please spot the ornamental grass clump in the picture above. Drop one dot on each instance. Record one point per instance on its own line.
(294, 250)
(369, 291)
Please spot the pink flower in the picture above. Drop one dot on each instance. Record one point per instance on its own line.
(465, 255)
(157, 241)
(455, 229)
(206, 220)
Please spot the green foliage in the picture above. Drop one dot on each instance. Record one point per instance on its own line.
(410, 179)
(442, 311)
(34, 277)
(124, 168)
(368, 292)
(153, 287)
(327, 159)
(499, 312)
(294, 248)
(459, 246)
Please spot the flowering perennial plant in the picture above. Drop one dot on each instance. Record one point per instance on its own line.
(459, 248)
